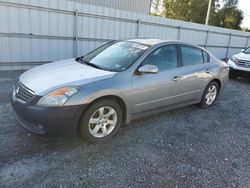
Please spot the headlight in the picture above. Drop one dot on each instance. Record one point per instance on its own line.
(233, 58)
(57, 97)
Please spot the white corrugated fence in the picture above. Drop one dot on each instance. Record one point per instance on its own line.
(37, 31)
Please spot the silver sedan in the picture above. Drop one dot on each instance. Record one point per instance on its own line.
(122, 80)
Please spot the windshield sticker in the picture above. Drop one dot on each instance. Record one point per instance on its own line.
(117, 66)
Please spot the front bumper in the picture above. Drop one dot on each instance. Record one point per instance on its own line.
(48, 120)
(233, 66)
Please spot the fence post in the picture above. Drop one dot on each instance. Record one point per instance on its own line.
(247, 41)
(228, 45)
(138, 28)
(206, 40)
(75, 48)
(179, 33)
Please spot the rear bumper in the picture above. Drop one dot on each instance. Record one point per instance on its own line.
(48, 120)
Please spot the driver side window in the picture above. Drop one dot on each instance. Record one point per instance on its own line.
(164, 57)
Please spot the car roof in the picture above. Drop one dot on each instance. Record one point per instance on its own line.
(150, 42)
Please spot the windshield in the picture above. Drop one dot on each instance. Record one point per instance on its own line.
(114, 56)
(247, 51)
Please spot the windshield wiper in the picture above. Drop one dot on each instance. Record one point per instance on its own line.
(92, 65)
(81, 60)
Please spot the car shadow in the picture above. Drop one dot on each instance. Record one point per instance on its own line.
(243, 79)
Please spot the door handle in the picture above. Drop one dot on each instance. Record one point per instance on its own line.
(176, 78)
(207, 71)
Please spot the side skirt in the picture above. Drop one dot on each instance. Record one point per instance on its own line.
(163, 109)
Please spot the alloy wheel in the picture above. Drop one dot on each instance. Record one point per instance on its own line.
(102, 122)
(211, 95)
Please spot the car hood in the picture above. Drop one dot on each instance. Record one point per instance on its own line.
(45, 78)
(242, 56)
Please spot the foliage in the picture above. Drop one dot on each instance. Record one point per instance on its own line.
(186, 10)
(245, 29)
(228, 17)
(156, 6)
(223, 13)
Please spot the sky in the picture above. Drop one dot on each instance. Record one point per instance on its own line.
(244, 5)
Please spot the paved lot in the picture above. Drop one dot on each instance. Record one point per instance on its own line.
(188, 147)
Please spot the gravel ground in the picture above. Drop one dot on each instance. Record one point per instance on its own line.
(187, 147)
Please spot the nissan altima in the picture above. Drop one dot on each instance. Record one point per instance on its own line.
(95, 94)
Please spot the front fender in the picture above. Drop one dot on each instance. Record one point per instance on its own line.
(108, 93)
(89, 93)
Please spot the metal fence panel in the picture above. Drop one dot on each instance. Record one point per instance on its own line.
(218, 39)
(140, 6)
(219, 52)
(47, 30)
(196, 37)
(238, 41)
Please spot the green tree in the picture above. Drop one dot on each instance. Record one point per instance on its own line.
(225, 14)
(156, 7)
(229, 16)
(230, 2)
(245, 29)
(187, 10)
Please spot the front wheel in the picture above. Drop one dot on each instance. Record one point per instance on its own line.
(101, 121)
(210, 94)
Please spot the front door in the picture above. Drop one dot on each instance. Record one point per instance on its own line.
(151, 91)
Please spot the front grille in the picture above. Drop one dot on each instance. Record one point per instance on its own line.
(23, 93)
(243, 63)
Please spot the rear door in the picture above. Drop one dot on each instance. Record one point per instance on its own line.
(193, 74)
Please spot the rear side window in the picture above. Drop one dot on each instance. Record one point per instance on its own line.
(191, 56)
(206, 57)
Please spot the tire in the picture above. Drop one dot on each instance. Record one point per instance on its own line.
(205, 102)
(97, 125)
(233, 74)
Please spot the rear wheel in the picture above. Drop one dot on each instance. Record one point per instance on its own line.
(101, 121)
(210, 94)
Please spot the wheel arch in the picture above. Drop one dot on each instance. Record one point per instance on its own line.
(217, 81)
(118, 99)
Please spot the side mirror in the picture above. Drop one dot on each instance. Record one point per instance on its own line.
(148, 69)
(242, 50)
